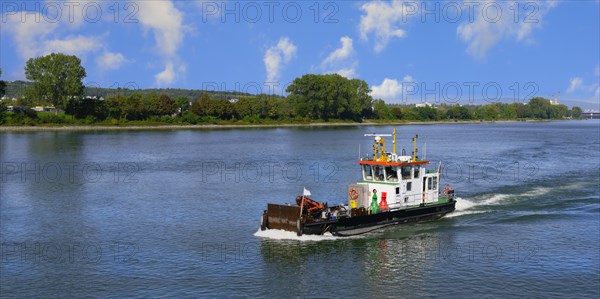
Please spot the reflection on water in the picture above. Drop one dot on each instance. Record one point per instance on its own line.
(169, 227)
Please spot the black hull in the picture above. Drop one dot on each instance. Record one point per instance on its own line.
(366, 223)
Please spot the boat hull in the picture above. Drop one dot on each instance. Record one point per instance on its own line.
(355, 225)
(364, 224)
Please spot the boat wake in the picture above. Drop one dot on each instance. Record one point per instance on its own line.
(482, 203)
(464, 207)
(278, 234)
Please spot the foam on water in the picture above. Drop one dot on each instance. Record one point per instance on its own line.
(495, 199)
(467, 207)
(538, 191)
(463, 207)
(277, 234)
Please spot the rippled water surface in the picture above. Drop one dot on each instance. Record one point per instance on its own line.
(176, 213)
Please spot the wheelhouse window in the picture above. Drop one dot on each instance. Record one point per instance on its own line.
(430, 183)
(367, 173)
(408, 186)
(405, 171)
(416, 170)
(434, 183)
(378, 174)
(391, 174)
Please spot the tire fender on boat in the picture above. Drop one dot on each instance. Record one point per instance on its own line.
(299, 228)
(263, 222)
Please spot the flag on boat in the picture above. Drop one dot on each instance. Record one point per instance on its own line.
(306, 192)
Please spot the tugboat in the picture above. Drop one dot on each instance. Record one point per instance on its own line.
(395, 189)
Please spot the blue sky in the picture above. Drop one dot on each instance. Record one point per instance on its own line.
(448, 51)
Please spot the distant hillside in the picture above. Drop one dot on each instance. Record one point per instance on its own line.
(17, 88)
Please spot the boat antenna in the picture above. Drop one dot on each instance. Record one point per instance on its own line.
(439, 175)
(394, 142)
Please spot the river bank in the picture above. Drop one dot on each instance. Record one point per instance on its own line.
(237, 126)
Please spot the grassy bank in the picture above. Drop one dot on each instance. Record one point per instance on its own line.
(144, 125)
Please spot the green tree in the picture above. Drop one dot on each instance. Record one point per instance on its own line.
(458, 112)
(397, 112)
(523, 110)
(558, 111)
(507, 111)
(87, 106)
(576, 112)
(222, 109)
(132, 107)
(2, 85)
(329, 96)
(183, 104)
(2, 111)
(243, 107)
(540, 108)
(113, 106)
(490, 112)
(56, 78)
(202, 107)
(164, 105)
(381, 110)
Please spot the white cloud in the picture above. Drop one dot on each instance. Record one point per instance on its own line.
(575, 84)
(37, 37)
(277, 56)
(489, 28)
(342, 60)
(345, 51)
(29, 35)
(348, 73)
(382, 19)
(74, 45)
(167, 76)
(390, 89)
(166, 23)
(110, 61)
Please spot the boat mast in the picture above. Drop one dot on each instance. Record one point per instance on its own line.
(415, 148)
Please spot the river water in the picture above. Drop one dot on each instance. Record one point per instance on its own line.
(176, 213)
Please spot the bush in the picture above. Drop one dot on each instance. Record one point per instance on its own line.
(189, 117)
(251, 119)
(166, 119)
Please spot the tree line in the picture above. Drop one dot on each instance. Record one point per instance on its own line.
(56, 79)
(536, 108)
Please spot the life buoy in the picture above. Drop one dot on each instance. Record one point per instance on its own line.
(447, 191)
(353, 193)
